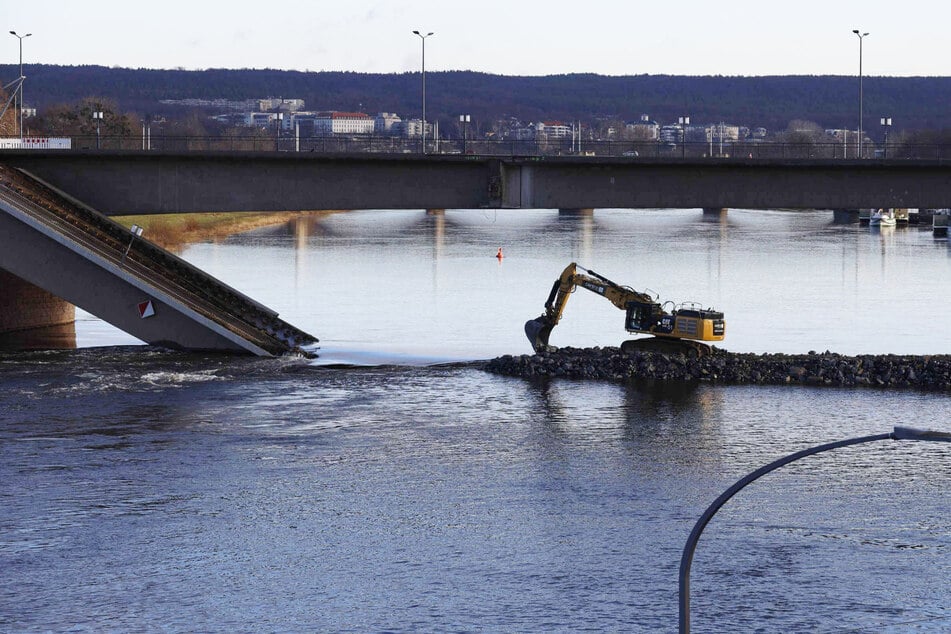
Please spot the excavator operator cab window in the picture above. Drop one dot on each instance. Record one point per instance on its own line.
(640, 316)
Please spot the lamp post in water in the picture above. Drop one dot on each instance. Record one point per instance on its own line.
(423, 73)
(899, 433)
(20, 87)
(861, 37)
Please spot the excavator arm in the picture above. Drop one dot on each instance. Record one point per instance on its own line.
(643, 313)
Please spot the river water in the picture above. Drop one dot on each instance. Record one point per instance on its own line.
(386, 487)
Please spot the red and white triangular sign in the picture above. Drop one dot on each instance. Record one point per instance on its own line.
(146, 309)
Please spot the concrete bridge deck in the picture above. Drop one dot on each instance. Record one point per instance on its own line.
(136, 182)
(73, 252)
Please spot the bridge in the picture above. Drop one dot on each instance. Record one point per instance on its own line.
(135, 182)
(56, 237)
(54, 248)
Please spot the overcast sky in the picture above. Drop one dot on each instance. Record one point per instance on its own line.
(509, 37)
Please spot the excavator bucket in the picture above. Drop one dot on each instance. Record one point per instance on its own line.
(538, 331)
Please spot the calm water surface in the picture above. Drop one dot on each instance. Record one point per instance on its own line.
(149, 490)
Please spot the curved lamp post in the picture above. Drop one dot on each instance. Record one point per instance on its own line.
(20, 87)
(423, 39)
(899, 433)
(861, 37)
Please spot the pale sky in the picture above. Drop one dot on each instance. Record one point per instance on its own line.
(508, 37)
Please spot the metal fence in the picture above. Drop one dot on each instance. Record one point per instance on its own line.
(513, 148)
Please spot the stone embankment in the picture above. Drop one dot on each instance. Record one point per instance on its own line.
(720, 366)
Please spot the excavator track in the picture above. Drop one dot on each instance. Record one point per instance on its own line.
(664, 345)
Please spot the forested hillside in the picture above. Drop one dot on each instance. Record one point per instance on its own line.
(915, 103)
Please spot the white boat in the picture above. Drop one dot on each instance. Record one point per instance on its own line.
(883, 218)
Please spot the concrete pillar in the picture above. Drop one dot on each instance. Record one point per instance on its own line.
(583, 211)
(24, 306)
(845, 216)
(435, 212)
(714, 211)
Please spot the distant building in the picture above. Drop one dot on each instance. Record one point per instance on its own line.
(259, 119)
(643, 129)
(387, 124)
(721, 132)
(279, 103)
(552, 130)
(413, 129)
(332, 123)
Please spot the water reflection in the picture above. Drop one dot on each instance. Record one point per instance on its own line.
(58, 337)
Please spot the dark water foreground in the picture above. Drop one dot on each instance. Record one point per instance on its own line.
(147, 490)
(925, 372)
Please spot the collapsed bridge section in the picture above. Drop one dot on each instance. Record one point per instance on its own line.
(72, 251)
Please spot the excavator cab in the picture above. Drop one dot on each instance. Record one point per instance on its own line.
(641, 316)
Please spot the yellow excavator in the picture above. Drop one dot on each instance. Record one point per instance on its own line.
(678, 330)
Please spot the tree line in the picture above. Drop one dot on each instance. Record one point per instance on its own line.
(915, 104)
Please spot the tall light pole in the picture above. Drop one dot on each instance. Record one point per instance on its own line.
(20, 87)
(423, 39)
(684, 122)
(886, 123)
(97, 117)
(899, 433)
(464, 119)
(861, 37)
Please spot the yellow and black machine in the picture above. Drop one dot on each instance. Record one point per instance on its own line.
(678, 330)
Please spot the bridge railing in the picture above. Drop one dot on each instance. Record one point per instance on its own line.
(513, 147)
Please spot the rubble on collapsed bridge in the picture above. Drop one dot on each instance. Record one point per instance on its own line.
(923, 372)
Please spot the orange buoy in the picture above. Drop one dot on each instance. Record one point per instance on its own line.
(499, 254)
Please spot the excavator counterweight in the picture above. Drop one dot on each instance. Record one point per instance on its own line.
(680, 329)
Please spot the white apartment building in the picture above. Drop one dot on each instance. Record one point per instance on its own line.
(332, 123)
(413, 128)
(552, 130)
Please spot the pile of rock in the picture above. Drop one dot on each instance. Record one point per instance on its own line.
(720, 366)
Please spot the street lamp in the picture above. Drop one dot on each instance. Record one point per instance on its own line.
(899, 433)
(20, 87)
(97, 117)
(861, 37)
(886, 123)
(684, 122)
(423, 39)
(464, 120)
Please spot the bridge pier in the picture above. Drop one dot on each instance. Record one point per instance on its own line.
(576, 211)
(24, 306)
(714, 212)
(845, 216)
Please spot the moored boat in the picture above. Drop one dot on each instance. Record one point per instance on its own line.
(883, 218)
